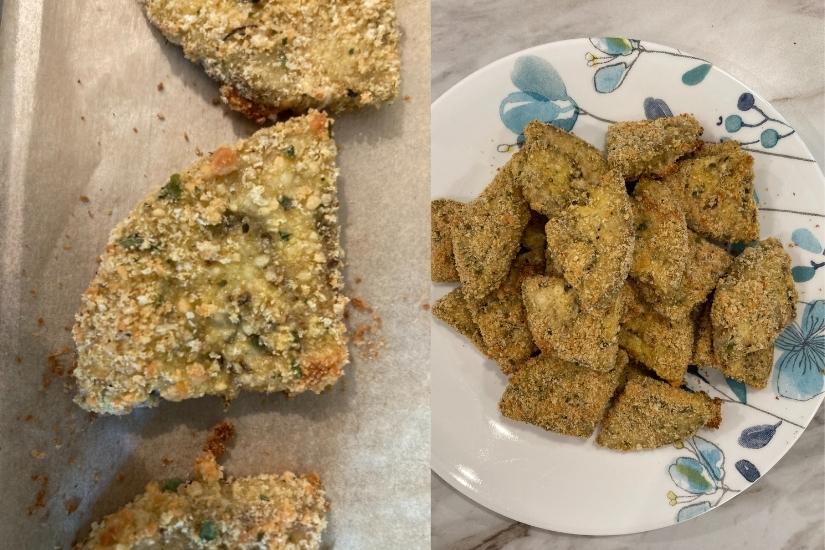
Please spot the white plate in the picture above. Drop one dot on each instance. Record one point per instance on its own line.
(570, 485)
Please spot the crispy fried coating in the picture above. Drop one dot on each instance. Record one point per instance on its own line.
(650, 414)
(443, 213)
(591, 242)
(559, 325)
(277, 56)
(661, 245)
(651, 147)
(556, 168)
(753, 302)
(502, 321)
(662, 345)
(486, 236)
(715, 187)
(534, 241)
(706, 263)
(266, 511)
(753, 369)
(560, 396)
(225, 279)
(453, 310)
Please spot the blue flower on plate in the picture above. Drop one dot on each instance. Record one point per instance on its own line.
(542, 96)
(799, 370)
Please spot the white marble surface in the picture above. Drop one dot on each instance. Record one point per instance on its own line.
(776, 48)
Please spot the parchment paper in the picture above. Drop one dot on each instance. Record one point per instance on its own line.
(81, 117)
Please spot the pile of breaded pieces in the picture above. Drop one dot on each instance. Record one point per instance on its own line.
(595, 282)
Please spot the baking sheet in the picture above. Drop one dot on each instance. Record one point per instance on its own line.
(84, 134)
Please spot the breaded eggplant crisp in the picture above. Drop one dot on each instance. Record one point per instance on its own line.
(279, 56)
(560, 327)
(453, 310)
(285, 511)
(662, 345)
(651, 147)
(556, 168)
(226, 278)
(486, 235)
(706, 263)
(715, 187)
(753, 369)
(661, 244)
(591, 242)
(648, 414)
(753, 302)
(443, 214)
(560, 396)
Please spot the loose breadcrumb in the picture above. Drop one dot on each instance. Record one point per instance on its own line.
(486, 235)
(753, 302)
(560, 396)
(650, 414)
(227, 278)
(651, 147)
(277, 56)
(443, 214)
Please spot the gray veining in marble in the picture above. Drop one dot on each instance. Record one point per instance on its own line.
(778, 49)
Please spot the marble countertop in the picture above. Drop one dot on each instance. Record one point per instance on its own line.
(777, 49)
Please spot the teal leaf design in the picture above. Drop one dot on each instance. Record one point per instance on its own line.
(696, 74)
(692, 476)
(733, 123)
(800, 373)
(769, 138)
(757, 437)
(711, 455)
(803, 238)
(610, 77)
(739, 389)
(747, 469)
(692, 510)
(802, 273)
(613, 45)
(656, 108)
(534, 75)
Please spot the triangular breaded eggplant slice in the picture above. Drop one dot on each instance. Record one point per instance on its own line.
(560, 326)
(648, 414)
(715, 188)
(662, 240)
(651, 147)
(277, 56)
(556, 168)
(753, 302)
(443, 214)
(753, 369)
(225, 279)
(560, 396)
(486, 235)
(591, 242)
(453, 309)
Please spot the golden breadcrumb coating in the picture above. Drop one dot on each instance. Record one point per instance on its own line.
(502, 321)
(753, 369)
(715, 187)
(278, 56)
(556, 168)
(661, 245)
(560, 327)
(226, 278)
(283, 511)
(706, 263)
(753, 302)
(592, 241)
(663, 345)
(650, 414)
(534, 242)
(651, 147)
(453, 310)
(560, 396)
(443, 213)
(486, 235)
